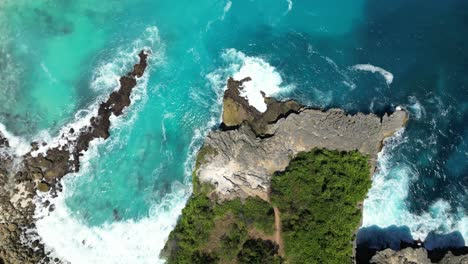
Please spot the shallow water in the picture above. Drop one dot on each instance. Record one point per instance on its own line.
(57, 58)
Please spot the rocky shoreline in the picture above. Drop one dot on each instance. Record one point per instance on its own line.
(251, 146)
(239, 159)
(21, 177)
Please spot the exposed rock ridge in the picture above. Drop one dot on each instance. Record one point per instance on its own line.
(20, 177)
(417, 256)
(244, 158)
(237, 110)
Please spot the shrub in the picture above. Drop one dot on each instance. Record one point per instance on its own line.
(317, 196)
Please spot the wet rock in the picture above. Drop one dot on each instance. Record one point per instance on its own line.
(418, 256)
(240, 160)
(43, 187)
(236, 109)
(44, 171)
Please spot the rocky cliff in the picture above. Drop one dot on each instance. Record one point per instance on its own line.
(419, 256)
(240, 159)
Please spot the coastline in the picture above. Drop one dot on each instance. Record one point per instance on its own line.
(238, 160)
(22, 176)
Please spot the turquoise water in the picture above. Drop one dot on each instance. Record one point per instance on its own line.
(59, 58)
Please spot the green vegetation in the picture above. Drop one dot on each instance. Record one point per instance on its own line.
(258, 251)
(198, 187)
(209, 232)
(317, 196)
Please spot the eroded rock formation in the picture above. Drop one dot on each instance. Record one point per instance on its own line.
(21, 177)
(240, 161)
(417, 256)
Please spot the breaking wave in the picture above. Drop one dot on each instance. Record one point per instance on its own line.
(265, 78)
(388, 76)
(386, 203)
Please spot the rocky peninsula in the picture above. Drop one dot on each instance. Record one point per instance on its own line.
(253, 145)
(21, 177)
(251, 201)
(262, 187)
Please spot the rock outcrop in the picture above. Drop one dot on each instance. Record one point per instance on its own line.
(21, 177)
(254, 145)
(417, 256)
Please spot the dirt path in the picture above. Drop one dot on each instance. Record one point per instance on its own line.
(278, 238)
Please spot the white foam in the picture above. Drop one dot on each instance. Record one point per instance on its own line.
(106, 79)
(226, 9)
(386, 202)
(17, 144)
(290, 5)
(347, 81)
(416, 108)
(388, 76)
(119, 242)
(264, 77)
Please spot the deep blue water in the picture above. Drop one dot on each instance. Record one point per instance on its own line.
(59, 57)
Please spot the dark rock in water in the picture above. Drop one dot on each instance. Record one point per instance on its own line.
(116, 215)
(237, 110)
(42, 172)
(3, 141)
(43, 187)
(420, 256)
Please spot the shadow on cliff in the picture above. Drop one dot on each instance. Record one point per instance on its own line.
(372, 239)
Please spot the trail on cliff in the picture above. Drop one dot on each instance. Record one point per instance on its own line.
(278, 237)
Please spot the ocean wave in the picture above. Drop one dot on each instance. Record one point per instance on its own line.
(386, 203)
(388, 76)
(18, 145)
(68, 238)
(290, 6)
(415, 108)
(226, 9)
(119, 242)
(265, 78)
(106, 80)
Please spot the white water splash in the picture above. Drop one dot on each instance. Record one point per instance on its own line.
(226, 9)
(17, 144)
(112, 243)
(386, 202)
(119, 242)
(264, 77)
(388, 76)
(290, 7)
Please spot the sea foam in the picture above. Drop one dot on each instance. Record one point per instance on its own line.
(118, 242)
(265, 78)
(388, 76)
(386, 203)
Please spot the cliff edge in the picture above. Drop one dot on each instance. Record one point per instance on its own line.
(240, 159)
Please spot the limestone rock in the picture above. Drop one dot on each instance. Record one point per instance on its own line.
(405, 256)
(245, 157)
(417, 256)
(236, 109)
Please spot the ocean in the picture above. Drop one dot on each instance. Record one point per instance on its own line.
(59, 59)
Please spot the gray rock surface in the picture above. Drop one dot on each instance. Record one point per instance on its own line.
(241, 163)
(415, 256)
